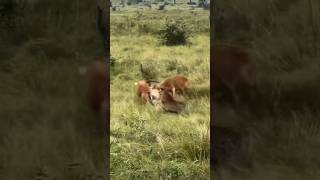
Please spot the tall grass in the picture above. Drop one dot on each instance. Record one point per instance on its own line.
(281, 130)
(146, 144)
(47, 131)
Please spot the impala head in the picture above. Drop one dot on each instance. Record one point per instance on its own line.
(233, 70)
(147, 91)
(154, 95)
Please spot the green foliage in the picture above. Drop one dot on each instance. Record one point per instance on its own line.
(176, 66)
(150, 71)
(174, 33)
(113, 61)
(129, 20)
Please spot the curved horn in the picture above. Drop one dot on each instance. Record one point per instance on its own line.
(141, 70)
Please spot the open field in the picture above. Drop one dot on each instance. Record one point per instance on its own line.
(146, 144)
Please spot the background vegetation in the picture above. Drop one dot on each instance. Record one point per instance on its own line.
(146, 144)
(279, 136)
(47, 131)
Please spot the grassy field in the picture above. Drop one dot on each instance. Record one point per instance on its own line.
(146, 144)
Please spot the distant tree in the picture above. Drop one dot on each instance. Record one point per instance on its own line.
(161, 7)
(201, 3)
(129, 2)
(204, 4)
(122, 3)
(174, 33)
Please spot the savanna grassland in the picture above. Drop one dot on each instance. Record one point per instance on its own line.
(146, 144)
(277, 136)
(47, 130)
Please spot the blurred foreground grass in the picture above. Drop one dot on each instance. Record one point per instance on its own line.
(279, 136)
(47, 131)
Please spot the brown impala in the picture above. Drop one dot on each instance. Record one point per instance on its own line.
(97, 79)
(233, 70)
(176, 84)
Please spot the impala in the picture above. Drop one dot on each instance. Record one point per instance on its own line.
(232, 70)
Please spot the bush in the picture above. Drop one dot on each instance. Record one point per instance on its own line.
(174, 33)
(161, 7)
(113, 61)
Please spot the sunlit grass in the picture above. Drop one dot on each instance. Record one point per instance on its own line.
(147, 144)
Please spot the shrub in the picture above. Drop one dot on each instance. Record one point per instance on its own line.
(150, 71)
(174, 33)
(161, 7)
(113, 61)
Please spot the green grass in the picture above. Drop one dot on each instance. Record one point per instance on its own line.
(146, 144)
